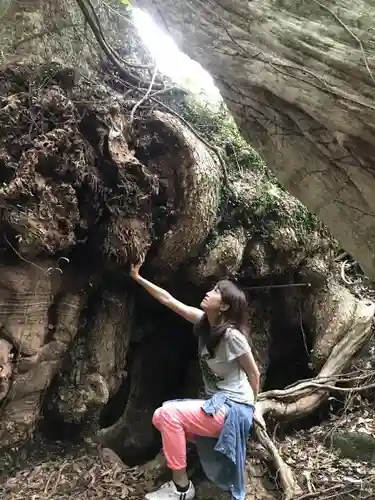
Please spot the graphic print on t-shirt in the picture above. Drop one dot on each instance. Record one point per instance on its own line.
(223, 372)
(209, 376)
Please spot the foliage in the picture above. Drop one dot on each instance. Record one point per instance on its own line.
(271, 203)
(217, 125)
(275, 205)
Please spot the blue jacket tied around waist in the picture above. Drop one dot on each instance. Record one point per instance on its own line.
(223, 459)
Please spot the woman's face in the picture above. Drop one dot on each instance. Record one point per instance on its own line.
(213, 302)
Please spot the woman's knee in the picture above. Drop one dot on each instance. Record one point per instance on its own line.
(156, 419)
(166, 416)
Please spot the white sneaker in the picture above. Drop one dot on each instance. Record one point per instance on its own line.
(169, 492)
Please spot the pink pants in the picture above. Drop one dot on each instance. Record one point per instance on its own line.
(179, 421)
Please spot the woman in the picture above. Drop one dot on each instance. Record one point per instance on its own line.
(231, 380)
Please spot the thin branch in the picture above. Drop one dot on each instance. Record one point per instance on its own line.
(144, 98)
(114, 11)
(212, 148)
(99, 27)
(303, 330)
(346, 377)
(167, 89)
(23, 258)
(331, 90)
(318, 494)
(134, 88)
(239, 168)
(91, 17)
(351, 33)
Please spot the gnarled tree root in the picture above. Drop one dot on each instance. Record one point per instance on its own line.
(304, 397)
(285, 475)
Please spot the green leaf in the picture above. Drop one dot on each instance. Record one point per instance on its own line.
(126, 2)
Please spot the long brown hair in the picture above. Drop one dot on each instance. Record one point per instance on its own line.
(235, 316)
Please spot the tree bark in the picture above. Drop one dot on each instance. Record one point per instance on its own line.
(197, 173)
(299, 80)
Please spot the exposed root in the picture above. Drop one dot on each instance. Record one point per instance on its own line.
(284, 473)
(304, 397)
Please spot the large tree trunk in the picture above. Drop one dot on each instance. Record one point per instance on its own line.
(87, 189)
(299, 79)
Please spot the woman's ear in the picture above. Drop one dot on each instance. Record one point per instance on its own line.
(224, 307)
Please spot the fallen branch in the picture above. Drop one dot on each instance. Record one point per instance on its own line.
(306, 396)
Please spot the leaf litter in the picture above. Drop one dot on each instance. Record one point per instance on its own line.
(41, 470)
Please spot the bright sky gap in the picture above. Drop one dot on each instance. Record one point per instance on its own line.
(172, 62)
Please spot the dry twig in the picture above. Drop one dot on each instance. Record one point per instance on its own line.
(144, 98)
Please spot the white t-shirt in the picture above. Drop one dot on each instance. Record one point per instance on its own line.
(223, 372)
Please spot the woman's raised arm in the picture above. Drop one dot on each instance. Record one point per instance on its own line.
(192, 314)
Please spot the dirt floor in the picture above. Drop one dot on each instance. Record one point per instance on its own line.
(327, 463)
